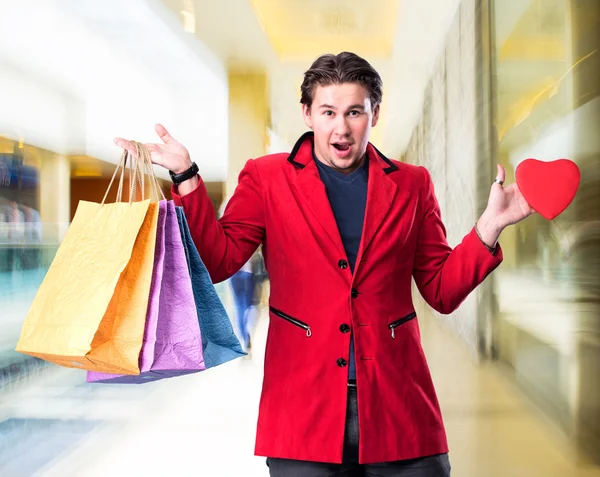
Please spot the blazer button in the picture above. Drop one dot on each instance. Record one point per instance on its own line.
(354, 293)
(343, 264)
(344, 328)
(342, 362)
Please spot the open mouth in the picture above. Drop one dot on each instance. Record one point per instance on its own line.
(342, 149)
(341, 146)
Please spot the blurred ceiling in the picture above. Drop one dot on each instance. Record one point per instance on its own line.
(178, 44)
(160, 49)
(401, 38)
(299, 30)
(79, 72)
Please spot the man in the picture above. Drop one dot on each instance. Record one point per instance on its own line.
(346, 388)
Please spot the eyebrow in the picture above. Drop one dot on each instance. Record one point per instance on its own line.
(354, 106)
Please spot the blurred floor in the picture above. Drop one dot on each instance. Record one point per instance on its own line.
(204, 425)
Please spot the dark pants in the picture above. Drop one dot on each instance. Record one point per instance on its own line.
(430, 466)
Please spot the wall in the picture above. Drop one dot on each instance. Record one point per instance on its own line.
(248, 121)
(446, 141)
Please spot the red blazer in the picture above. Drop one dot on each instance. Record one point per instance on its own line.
(281, 202)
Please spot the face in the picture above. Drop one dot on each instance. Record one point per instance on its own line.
(341, 117)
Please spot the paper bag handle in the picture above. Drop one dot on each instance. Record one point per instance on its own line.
(144, 154)
(121, 166)
(139, 166)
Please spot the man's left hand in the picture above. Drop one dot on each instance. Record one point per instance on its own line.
(506, 206)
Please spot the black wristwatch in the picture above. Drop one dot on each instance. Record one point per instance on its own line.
(184, 176)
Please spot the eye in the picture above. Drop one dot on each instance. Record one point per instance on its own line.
(328, 112)
(355, 112)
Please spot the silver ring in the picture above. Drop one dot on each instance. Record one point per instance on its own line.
(498, 181)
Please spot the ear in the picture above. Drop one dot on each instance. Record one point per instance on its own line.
(375, 116)
(306, 115)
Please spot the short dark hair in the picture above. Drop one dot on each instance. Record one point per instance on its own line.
(344, 67)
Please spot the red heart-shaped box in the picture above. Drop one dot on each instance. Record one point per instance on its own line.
(548, 187)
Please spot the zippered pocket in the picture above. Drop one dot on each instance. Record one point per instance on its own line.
(395, 324)
(292, 320)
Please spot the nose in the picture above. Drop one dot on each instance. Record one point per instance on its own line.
(342, 128)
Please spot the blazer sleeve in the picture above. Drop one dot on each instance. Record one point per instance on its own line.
(225, 245)
(443, 275)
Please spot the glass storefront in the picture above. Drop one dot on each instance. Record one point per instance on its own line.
(19, 216)
(24, 252)
(546, 103)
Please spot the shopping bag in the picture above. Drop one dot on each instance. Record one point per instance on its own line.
(219, 342)
(90, 309)
(146, 357)
(172, 343)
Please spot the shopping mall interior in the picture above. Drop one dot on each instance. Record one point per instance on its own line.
(467, 84)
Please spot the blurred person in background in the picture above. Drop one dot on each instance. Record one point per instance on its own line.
(248, 284)
(346, 389)
(15, 218)
(246, 287)
(30, 254)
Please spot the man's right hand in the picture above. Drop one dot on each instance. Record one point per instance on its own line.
(171, 155)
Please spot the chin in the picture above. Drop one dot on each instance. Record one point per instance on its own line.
(344, 164)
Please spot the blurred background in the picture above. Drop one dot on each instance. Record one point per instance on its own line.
(467, 84)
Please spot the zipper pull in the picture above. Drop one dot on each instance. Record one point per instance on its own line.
(393, 332)
(308, 332)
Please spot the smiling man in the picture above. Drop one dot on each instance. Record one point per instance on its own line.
(346, 390)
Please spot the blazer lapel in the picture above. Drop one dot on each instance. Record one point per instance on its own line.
(381, 191)
(311, 188)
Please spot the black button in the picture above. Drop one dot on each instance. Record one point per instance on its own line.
(354, 293)
(342, 362)
(343, 264)
(344, 328)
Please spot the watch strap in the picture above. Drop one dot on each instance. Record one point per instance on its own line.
(185, 175)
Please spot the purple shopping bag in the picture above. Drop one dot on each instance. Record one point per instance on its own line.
(172, 342)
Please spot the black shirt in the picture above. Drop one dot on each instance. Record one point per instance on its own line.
(348, 199)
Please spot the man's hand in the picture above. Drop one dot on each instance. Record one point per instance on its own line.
(171, 155)
(506, 206)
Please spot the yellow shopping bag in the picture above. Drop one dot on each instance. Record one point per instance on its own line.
(90, 310)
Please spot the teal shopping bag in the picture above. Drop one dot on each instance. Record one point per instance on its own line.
(219, 342)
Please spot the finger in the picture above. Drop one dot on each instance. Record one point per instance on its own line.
(501, 174)
(153, 148)
(155, 154)
(125, 144)
(164, 134)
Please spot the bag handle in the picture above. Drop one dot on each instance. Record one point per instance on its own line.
(121, 166)
(135, 179)
(146, 168)
(139, 166)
